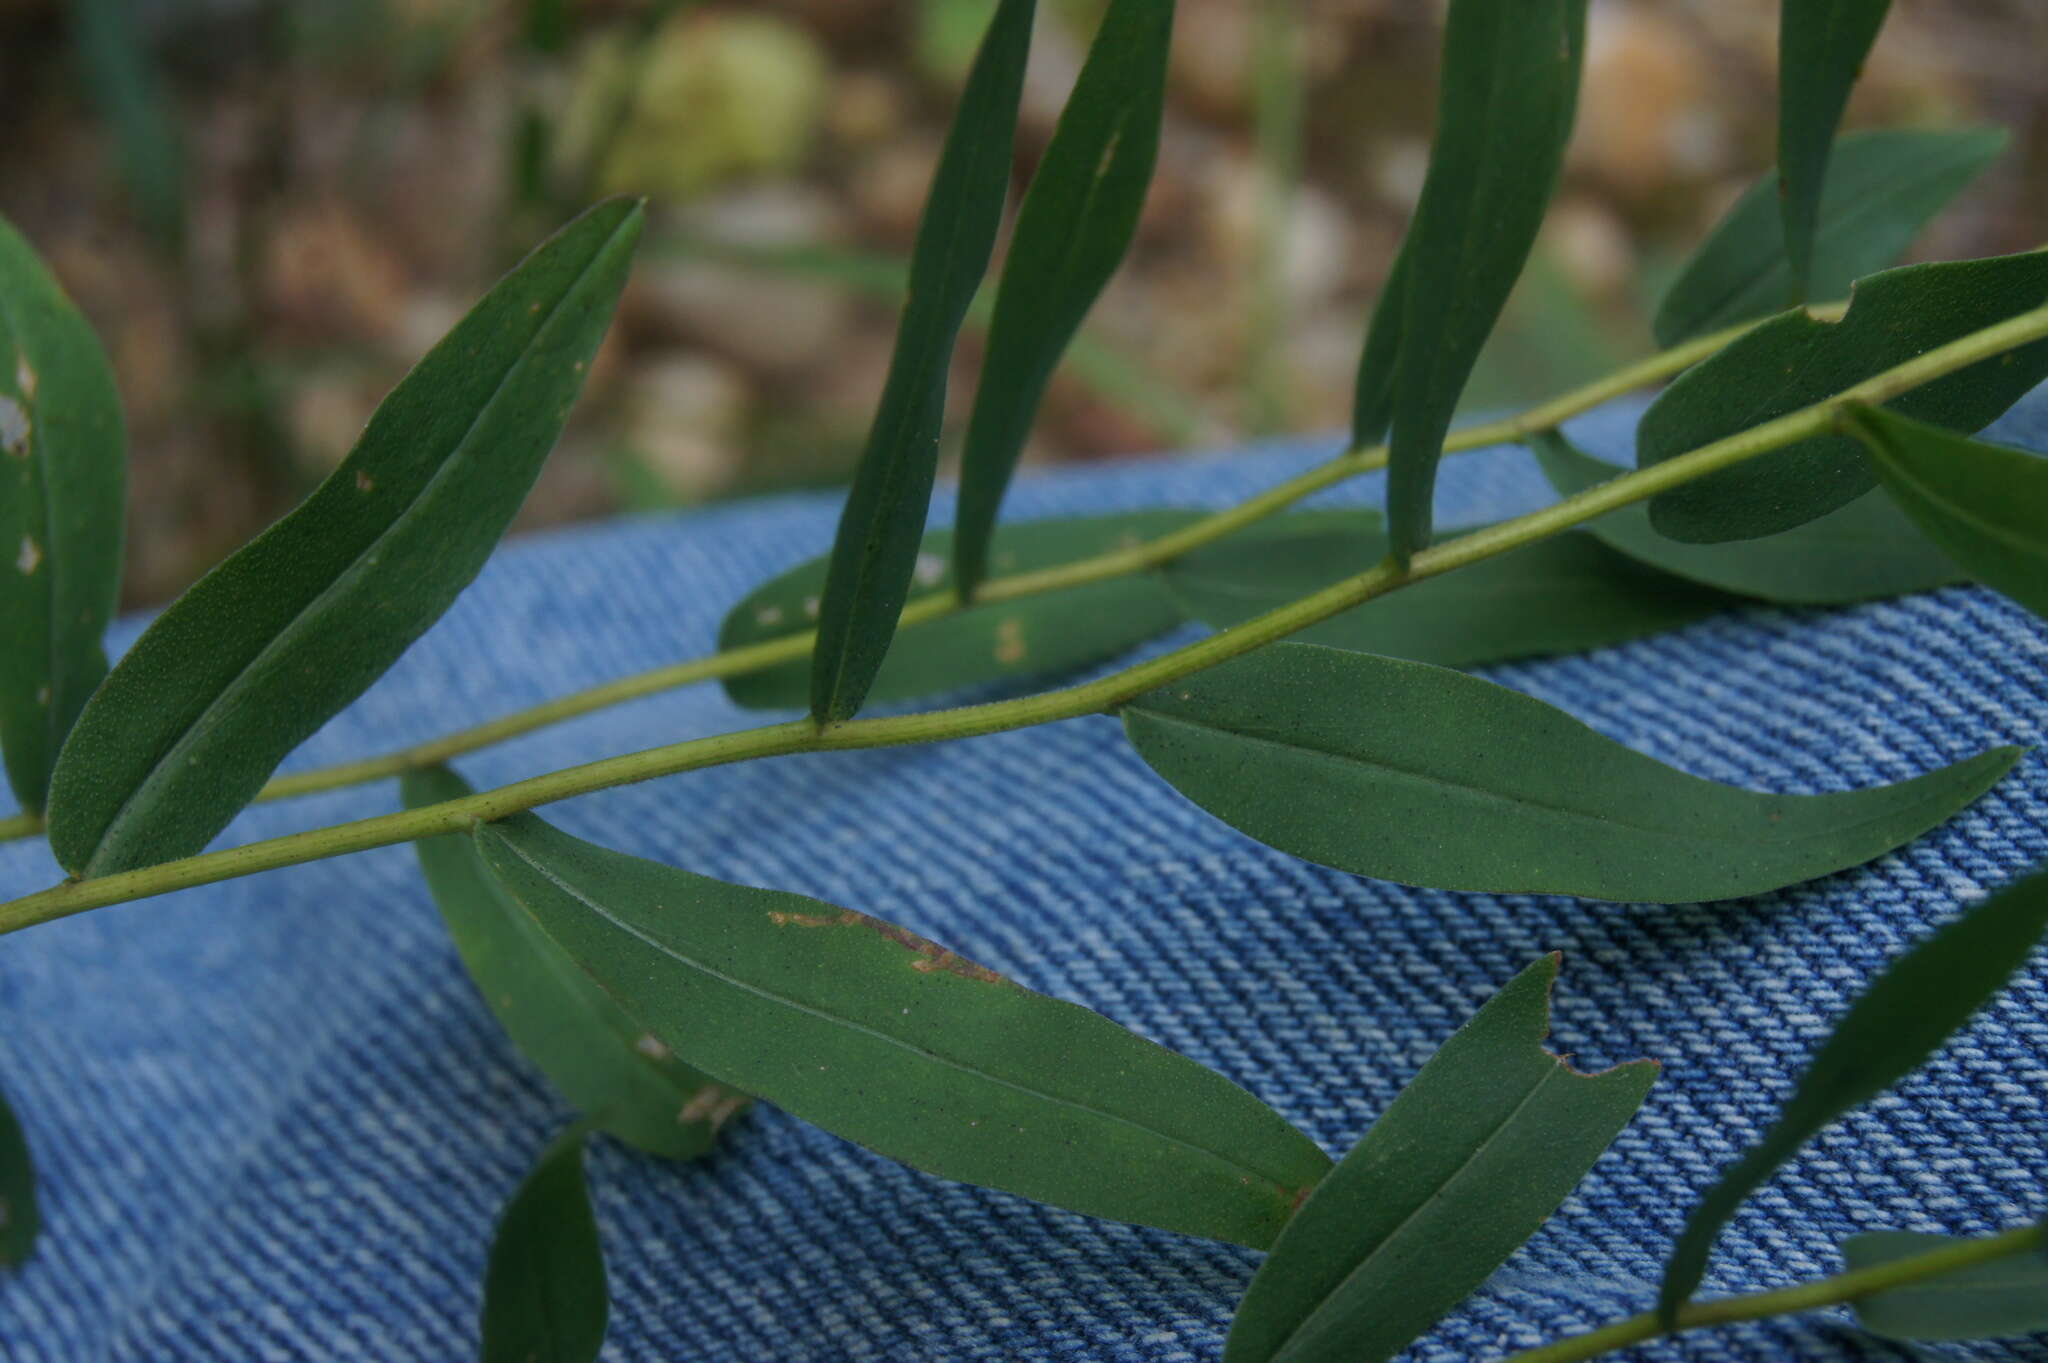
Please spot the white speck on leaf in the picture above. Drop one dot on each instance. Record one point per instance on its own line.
(14, 428)
(811, 607)
(768, 616)
(24, 377)
(930, 568)
(651, 1046)
(30, 558)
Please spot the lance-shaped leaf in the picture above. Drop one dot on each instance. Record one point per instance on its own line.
(62, 483)
(544, 1288)
(1509, 86)
(1985, 1301)
(18, 1218)
(1882, 188)
(1986, 505)
(1466, 1164)
(1794, 361)
(1821, 47)
(898, 1044)
(606, 1064)
(1559, 595)
(1372, 408)
(1862, 551)
(1418, 774)
(1074, 226)
(298, 622)
(1921, 1000)
(1003, 641)
(875, 554)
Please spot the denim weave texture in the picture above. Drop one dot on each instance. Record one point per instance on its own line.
(274, 1122)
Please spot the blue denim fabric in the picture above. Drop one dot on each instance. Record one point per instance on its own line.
(274, 1121)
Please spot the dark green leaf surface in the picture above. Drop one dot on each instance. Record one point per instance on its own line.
(1378, 363)
(544, 1289)
(1074, 226)
(875, 555)
(898, 1044)
(1862, 551)
(1794, 361)
(1821, 47)
(607, 1065)
(1560, 595)
(298, 622)
(1431, 777)
(1988, 1301)
(1508, 89)
(1004, 641)
(63, 479)
(1917, 1004)
(1986, 505)
(18, 1219)
(1882, 188)
(1466, 1164)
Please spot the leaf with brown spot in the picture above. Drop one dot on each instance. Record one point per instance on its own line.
(884, 1038)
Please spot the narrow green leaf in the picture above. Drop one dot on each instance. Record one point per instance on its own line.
(1922, 999)
(1987, 1301)
(1466, 1164)
(1003, 641)
(123, 81)
(1882, 188)
(1861, 551)
(1794, 361)
(1986, 505)
(875, 554)
(1372, 407)
(607, 1065)
(1072, 230)
(18, 1218)
(898, 1044)
(1560, 595)
(298, 622)
(1422, 775)
(545, 1297)
(1508, 90)
(1821, 47)
(63, 480)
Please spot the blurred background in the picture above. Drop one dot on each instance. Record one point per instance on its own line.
(270, 208)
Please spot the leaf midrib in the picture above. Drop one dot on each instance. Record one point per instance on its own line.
(796, 1005)
(200, 727)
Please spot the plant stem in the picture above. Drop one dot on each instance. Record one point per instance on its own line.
(1117, 563)
(1835, 1291)
(1096, 697)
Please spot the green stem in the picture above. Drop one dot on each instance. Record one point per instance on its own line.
(1096, 697)
(1835, 1291)
(1136, 559)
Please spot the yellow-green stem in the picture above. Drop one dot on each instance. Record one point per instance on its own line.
(1835, 1291)
(1116, 563)
(1095, 697)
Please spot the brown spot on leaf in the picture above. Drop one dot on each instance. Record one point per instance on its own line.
(364, 482)
(1010, 646)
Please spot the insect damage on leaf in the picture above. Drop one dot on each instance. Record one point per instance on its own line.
(926, 955)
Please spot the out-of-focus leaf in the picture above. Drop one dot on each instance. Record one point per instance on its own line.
(1986, 1301)
(1418, 774)
(298, 622)
(875, 555)
(63, 479)
(1921, 1000)
(1882, 188)
(1864, 550)
(608, 1066)
(18, 1219)
(1794, 361)
(1507, 93)
(544, 1288)
(1560, 595)
(123, 82)
(1466, 1164)
(891, 1041)
(1072, 230)
(1986, 505)
(1003, 641)
(1821, 47)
